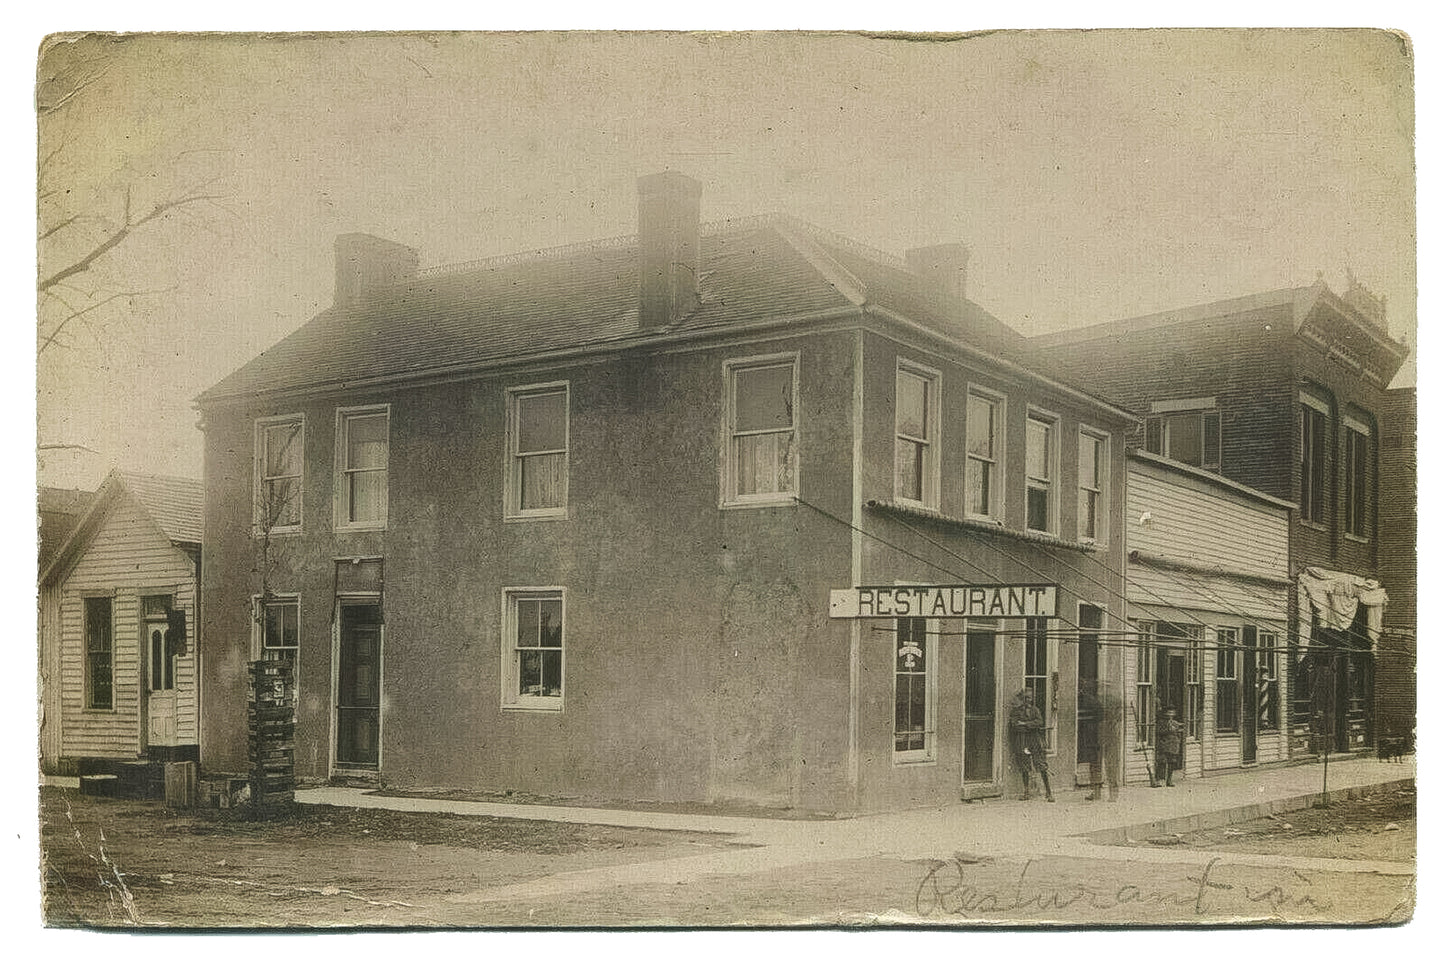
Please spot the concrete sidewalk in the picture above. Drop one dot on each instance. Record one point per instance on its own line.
(998, 828)
(1139, 812)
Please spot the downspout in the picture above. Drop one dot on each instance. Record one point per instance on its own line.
(855, 626)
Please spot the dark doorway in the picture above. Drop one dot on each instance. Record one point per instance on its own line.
(1249, 676)
(1090, 618)
(978, 706)
(358, 687)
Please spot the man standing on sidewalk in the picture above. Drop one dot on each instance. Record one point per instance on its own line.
(1101, 705)
(1026, 738)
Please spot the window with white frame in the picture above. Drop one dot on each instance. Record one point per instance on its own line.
(1040, 467)
(362, 441)
(1189, 436)
(537, 437)
(982, 483)
(280, 446)
(99, 653)
(914, 683)
(761, 446)
(1190, 637)
(1144, 681)
(1039, 677)
(279, 620)
(1314, 439)
(159, 644)
(1093, 486)
(533, 647)
(1268, 674)
(916, 443)
(1357, 463)
(1226, 680)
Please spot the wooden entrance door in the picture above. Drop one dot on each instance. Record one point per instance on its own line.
(159, 682)
(358, 687)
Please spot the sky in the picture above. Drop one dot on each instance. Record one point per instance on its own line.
(1094, 175)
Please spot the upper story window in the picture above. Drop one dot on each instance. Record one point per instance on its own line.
(279, 459)
(1190, 435)
(99, 653)
(761, 446)
(1093, 486)
(1357, 436)
(916, 435)
(532, 647)
(537, 435)
(1314, 440)
(1040, 472)
(362, 449)
(982, 478)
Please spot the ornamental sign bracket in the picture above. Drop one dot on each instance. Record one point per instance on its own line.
(944, 602)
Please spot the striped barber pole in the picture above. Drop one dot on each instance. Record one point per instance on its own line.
(1265, 687)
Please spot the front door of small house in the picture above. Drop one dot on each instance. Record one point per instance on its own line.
(358, 687)
(979, 702)
(159, 682)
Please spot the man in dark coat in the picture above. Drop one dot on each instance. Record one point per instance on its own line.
(1026, 738)
(1169, 743)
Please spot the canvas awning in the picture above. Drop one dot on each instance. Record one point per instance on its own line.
(1335, 598)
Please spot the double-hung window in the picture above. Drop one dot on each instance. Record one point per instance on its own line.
(761, 443)
(1038, 674)
(1357, 468)
(982, 483)
(1040, 469)
(914, 683)
(362, 447)
(916, 435)
(99, 653)
(279, 456)
(537, 434)
(1226, 681)
(532, 645)
(1093, 484)
(280, 634)
(1314, 439)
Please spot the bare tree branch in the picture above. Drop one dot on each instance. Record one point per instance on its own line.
(50, 340)
(58, 447)
(119, 235)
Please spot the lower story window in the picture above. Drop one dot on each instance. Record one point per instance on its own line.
(913, 691)
(534, 649)
(1226, 681)
(281, 635)
(99, 653)
(1038, 675)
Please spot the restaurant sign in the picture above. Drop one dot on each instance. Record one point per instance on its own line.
(943, 602)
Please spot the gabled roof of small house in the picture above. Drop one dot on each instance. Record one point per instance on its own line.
(60, 509)
(173, 504)
(518, 308)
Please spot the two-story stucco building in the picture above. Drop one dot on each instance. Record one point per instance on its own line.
(569, 521)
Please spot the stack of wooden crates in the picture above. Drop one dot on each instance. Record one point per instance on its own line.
(271, 718)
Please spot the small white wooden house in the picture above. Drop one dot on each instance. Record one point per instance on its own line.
(1208, 586)
(117, 628)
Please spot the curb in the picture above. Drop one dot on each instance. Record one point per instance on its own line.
(1236, 815)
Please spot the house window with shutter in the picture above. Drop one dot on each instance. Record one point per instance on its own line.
(1314, 440)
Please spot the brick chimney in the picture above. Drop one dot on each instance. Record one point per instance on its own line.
(365, 264)
(943, 268)
(667, 239)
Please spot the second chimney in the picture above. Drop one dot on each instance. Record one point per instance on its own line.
(943, 268)
(365, 264)
(667, 239)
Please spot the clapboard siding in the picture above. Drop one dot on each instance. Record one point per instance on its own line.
(1213, 526)
(125, 558)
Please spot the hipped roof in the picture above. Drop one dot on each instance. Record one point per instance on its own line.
(529, 306)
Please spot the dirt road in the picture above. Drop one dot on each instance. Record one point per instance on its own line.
(125, 863)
